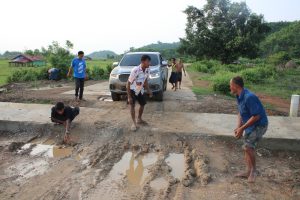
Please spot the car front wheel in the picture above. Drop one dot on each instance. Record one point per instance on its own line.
(115, 96)
(159, 96)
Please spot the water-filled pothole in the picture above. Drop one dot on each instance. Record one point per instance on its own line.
(46, 150)
(176, 162)
(134, 168)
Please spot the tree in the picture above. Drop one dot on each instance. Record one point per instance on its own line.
(58, 56)
(286, 40)
(223, 30)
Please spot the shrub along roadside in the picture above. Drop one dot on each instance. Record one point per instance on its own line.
(98, 73)
(220, 81)
(41, 73)
(30, 74)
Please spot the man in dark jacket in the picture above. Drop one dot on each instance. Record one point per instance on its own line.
(62, 114)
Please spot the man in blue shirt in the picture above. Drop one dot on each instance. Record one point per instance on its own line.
(252, 120)
(78, 66)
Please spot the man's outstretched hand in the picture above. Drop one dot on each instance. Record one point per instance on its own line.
(67, 138)
(238, 132)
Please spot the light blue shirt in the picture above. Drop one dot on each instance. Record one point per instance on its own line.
(79, 67)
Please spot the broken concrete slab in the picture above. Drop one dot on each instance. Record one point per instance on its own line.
(211, 124)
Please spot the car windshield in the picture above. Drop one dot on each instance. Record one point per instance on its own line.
(135, 60)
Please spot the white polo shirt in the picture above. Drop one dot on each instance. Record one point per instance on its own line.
(137, 79)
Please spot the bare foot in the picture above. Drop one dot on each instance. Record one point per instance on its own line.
(133, 128)
(242, 175)
(252, 177)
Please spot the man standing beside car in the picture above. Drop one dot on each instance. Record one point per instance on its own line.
(136, 84)
(79, 67)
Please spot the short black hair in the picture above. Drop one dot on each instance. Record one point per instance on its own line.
(238, 81)
(59, 106)
(80, 53)
(145, 57)
(174, 59)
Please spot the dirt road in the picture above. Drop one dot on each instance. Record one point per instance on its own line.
(107, 161)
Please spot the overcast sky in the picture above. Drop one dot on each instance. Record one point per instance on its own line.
(116, 25)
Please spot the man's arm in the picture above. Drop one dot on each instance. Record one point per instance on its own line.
(183, 68)
(70, 71)
(68, 122)
(250, 122)
(128, 92)
(146, 84)
(239, 122)
(239, 131)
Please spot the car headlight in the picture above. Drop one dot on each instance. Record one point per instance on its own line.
(114, 76)
(154, 75)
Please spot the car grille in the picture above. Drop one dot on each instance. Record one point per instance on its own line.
(123, 77)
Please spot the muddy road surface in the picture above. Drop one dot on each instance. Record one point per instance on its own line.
(159, 161)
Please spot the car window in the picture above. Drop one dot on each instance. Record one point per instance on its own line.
(135, 60)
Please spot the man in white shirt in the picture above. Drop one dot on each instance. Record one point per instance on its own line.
(137, 81)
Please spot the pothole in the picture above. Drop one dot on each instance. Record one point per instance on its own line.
(176, 162)
(135, 168)
(51, 151)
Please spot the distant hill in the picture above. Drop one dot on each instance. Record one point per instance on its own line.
(168, 50)
(286, 40)
(104, 54)
(9, 54)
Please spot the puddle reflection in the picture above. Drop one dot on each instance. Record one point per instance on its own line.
(134, 168)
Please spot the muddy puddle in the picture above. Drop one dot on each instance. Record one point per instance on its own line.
(134, 168)
(47, 149)
(126, 176)
(176, 162)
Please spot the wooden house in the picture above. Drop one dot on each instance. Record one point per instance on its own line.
(23, 60)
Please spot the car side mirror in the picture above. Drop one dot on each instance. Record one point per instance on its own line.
(164, 63)
(115, 64)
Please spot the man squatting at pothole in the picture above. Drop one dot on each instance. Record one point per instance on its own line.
(252, 120)
(137, 80)
(61, 114)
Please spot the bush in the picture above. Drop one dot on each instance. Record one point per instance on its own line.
(207, 66)
(221, 81)
(258, 74)
(97, 73)
(29, 74)
(279, 58)
(233, 67)
(109, 68)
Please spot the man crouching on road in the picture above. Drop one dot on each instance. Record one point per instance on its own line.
(137, 81)
(252, 120)
(62, 114)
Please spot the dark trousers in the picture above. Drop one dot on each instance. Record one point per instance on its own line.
(79, 85)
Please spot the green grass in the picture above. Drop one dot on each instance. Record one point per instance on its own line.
(99, 63)
(283, 86)
(202, 91)
(6, 70)
(280, 84)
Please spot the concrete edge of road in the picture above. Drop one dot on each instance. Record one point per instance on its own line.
(42, 129)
